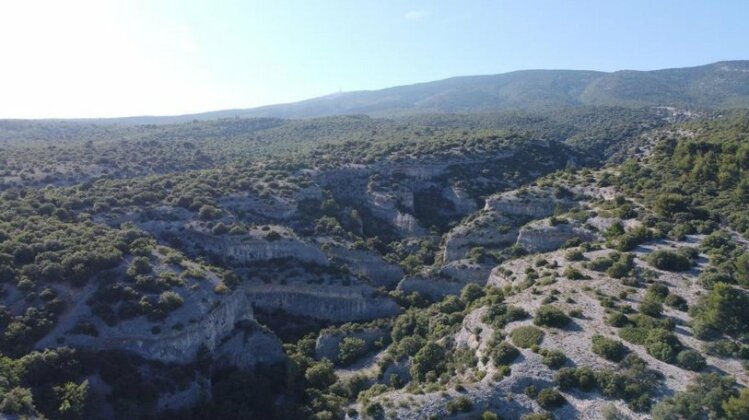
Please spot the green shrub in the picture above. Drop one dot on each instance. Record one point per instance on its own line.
(471, 292)
(321, 375)
(499, 315)
(617, 319)
(431, 358)
(573, 274)
(551, 316)
(504, 354)
(550, 398)
(565, 378)
(651, 307)
(634, 335)
(677, 302)
(669, 260)
(574, 255)
(608, 348)
(170, 300)
(526, 336)
(460, 404)
(554, 359)
(600, 263)
(663, 345)
(691, 360)
(723, 310)
(350, 349)
(737, 408)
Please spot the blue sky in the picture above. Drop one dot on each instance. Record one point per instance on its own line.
(96, 58)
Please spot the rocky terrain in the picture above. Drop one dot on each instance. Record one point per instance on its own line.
(454, 267)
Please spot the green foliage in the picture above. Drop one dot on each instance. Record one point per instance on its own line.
(705, 397)
(504, 353)
(631, 381)
(73, 399)
(668, 260)
(554, 359)
(499, 315)
(574, 255)
(737, 408)
(691, 360)
(608, 348)
(550, 398)
(471, 292)
(722, 310)
(321, 374)
(17, 401)
(460, 404)
(350, 349)
(551, 316)
(431, 358)
(663, 345)
(526, 336)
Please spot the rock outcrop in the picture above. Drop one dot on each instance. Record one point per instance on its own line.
(367, 263)
(324, 302)
(486, 228)
(543, 236)
(204, 320)
(536, 203)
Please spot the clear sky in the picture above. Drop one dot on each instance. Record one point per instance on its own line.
(97, 58)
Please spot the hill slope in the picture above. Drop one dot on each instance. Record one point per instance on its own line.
(719, 85)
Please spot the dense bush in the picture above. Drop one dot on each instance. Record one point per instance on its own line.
(499, 315)
(691, 360)
(460, 404)
(526, 336)
(550, 398)
(705, 397)
(554, 359)
(321, 374)
(551, 316)
(431, 358)
(608, 348)
(504, 353)
(722, 310)
(663, 345)
(669, 260)
(350, 349)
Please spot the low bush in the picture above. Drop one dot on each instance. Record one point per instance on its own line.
(551, 316)
(663, 345)
(554, 359)
(669, 260)
(504, 353)
(608, 348)
(460, 404)
(526, 336)
(550, 398)
(691, 360)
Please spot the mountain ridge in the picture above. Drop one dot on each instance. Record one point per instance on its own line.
(723, 84)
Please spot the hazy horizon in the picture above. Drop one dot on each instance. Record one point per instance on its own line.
(100, 59)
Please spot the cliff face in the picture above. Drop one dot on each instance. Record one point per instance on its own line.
(324, 302)
(543, 237)
(204, 320)
(433, 287)
(375, 268)
(487, 228)
(252, 250)
(536, 203)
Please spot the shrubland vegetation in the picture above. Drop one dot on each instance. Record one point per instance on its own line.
(75, 197)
